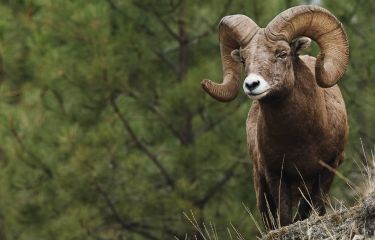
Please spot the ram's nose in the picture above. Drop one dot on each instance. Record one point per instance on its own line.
(251, 85)
(255, 86)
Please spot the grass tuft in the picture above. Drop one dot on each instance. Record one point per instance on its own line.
(308, 227)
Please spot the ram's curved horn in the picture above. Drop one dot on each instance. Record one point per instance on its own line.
(235, 31)
(320, 25)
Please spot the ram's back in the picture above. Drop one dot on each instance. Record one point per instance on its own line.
(336, 111)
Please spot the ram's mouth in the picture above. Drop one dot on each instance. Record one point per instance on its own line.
(258, 95)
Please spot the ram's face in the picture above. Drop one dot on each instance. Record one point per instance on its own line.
(268, 66)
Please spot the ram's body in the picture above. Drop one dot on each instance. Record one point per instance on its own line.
(308, 126)
(290, 139)
(297, 125)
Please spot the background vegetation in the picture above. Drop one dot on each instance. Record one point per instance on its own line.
(106, 134)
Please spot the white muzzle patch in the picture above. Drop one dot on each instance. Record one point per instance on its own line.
(255, 86)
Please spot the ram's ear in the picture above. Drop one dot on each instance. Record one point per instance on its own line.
(236, 55)
(300, 44)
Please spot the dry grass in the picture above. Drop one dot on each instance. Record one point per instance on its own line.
(342, 219)
(368, 167)
(209, 232)
(357, 222)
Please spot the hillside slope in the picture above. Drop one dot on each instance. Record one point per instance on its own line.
(354, 223)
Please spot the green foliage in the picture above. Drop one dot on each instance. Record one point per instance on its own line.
(106, 133)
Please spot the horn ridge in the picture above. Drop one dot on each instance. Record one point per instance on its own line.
(323, 27)
(235, 31)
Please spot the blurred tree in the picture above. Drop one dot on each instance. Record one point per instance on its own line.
(106, 133)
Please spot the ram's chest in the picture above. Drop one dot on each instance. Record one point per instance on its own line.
(294, 159)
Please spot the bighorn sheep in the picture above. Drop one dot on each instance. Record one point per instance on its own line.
(297, 122)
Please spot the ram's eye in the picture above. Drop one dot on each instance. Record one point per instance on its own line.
(282, 54)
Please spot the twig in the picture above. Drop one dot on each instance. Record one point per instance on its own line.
(160, 115)
(130, 226)
(39, 163)
(139, 143)
(216, 187)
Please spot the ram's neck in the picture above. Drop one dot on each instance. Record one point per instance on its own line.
(299, 115)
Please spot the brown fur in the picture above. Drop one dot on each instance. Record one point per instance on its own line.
(299, 120)
(290, 131)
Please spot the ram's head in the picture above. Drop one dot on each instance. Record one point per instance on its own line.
(267, 54)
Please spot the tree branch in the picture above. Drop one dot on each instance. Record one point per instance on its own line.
(57, 96)
(213, 123)
(164, 59)
(115, 8)
(112, 206)
(159, 18)
(139, 143)
(160, 115)
(130, 226)
(229, 173)
(39, 164)
(213, 27)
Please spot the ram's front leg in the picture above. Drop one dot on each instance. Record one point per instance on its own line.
(265, 202)
(281, 193)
